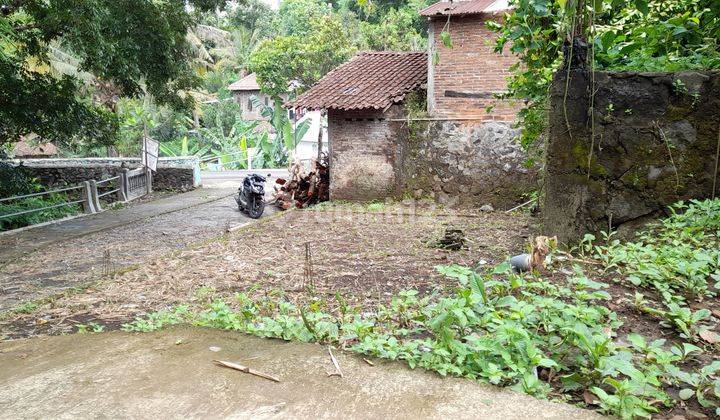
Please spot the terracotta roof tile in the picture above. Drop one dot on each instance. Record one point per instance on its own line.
(248, 82)
(369, 80)
(464, 7)
(32, 145)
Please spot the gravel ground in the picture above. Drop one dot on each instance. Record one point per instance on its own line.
(79, 261)
(302, 254)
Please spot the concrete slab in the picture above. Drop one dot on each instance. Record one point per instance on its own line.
(170, 374)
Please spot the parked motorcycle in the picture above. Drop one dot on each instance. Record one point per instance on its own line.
(251, 196)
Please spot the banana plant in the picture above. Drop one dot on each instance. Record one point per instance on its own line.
(183, 147)
(286, 138)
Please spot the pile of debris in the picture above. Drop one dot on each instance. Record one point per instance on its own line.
(303, 189)
(453, 240)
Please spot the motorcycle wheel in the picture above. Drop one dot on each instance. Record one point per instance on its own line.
(256, 208)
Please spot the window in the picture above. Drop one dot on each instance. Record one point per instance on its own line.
(249, 104)
(266, 101)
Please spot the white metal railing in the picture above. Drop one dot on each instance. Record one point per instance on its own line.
(126, 186)
(247, 158)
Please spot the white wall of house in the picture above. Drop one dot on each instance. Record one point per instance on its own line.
(307, 148)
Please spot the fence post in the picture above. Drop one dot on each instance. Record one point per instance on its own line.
(88, 205)
(121, 196)
(148, 180)
(126, 184)
(94, 195)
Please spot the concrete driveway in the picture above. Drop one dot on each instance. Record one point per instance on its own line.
(233, 179)
(42, 261)
(170, 374)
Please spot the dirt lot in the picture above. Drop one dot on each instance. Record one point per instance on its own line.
(45, 261)
(364, 255)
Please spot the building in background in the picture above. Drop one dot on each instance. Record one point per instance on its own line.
(244, 90)
(463, 81)
(31, 146)
(465, 150)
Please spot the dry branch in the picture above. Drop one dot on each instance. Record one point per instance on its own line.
(246, 369)
(338, 372)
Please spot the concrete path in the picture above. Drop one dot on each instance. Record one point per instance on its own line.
(228, 179)
(14, 244)
(46, 260)
(170, 374)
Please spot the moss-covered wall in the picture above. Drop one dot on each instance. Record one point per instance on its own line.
(466, 163)
(620, 157)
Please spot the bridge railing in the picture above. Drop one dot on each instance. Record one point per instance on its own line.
(126, 186)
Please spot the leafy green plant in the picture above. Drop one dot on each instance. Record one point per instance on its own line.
(678, 256)
(184, 147)
(91, 327)
(31, 203)
(27, 308)
(622, 402)
(157, 320)
(705, 386)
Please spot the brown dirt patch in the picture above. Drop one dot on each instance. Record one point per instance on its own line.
(366, 257)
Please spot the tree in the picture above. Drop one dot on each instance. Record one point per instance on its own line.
(304, 60)
(296, 17)
(641, 35)
(254, 16)
(139, 46)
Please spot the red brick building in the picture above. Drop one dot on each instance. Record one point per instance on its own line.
(460, 152)
(364, 101)
(463, 80)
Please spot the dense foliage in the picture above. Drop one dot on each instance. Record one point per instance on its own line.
(129, 46)
(645, 35)
(32, 203)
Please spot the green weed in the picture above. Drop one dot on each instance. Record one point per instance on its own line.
(496, 327)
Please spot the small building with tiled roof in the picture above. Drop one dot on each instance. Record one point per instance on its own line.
(32, 147)
(369, 80)
(244, 90)
(364, 99)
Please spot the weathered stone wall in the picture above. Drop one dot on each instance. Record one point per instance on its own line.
(363, 153)
(464, 79)
(651, 141)
(172, 174)
(375, 155)
(467, 163)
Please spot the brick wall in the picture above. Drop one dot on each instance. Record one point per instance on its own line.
(249, 111)
(363, 153)
(463, 81)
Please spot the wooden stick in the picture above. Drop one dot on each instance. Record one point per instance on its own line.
(521, 205)
(335, 362)
(368, 362)
(246, 369)
(236, 227)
